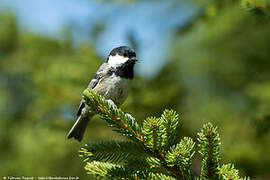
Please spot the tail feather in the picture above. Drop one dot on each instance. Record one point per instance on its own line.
(78, 129)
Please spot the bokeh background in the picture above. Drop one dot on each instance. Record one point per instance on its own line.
(208, 60)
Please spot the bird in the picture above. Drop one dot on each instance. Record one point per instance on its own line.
(112, 81)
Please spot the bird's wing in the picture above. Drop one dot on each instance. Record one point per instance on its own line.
(102, 71)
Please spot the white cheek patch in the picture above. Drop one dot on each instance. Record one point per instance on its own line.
(117, 60)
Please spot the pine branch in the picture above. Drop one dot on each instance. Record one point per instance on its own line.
(227, 171)
(114, 116)
(159, 134)
(112, 171)
(181, 155)
(156, 138)
(112, 151)
(209, 143)
(151, 130)
(153, 152)
(150, 135)
(150, 164)
(169, 128)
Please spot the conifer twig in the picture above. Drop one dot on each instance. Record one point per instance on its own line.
(153, 152)
(209, 143)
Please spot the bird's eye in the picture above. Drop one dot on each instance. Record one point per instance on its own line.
(132, 54)
(125, 54)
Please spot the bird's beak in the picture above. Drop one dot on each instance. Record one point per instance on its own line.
(134, 59)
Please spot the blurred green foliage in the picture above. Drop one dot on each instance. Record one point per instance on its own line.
(218, 71)
(42, 80)
(41, 83)
(224, 62)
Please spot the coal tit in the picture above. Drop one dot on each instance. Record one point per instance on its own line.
(112, 81)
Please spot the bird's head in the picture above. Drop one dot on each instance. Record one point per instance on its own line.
(122, 55)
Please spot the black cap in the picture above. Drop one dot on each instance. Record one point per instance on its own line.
(123, 51)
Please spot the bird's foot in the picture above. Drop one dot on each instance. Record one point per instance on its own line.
(111, 103)
(132, 119)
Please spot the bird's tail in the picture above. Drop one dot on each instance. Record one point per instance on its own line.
(78, 129)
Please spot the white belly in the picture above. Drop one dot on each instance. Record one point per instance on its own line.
(114, 88)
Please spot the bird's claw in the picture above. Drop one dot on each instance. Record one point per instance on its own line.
(111, 103)
(132, 119)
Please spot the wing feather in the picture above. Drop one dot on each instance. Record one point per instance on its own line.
(102, 71)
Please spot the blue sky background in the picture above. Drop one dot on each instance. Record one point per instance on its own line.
(152, 23)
